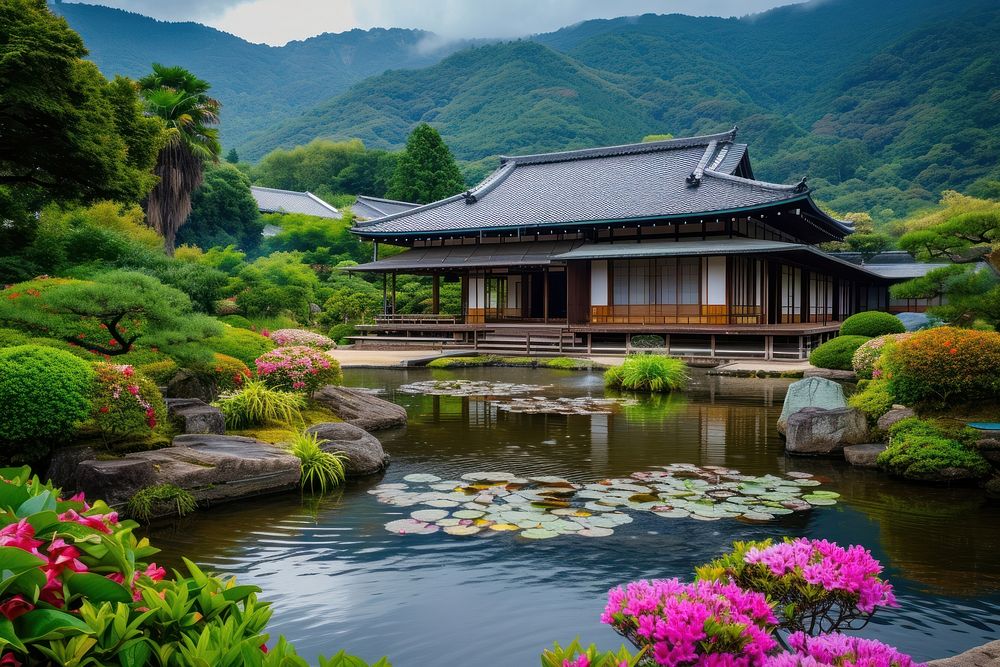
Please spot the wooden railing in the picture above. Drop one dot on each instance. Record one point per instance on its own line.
(419, 318)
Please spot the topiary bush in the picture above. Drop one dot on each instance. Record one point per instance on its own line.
(44, 394)
(837, 353)
(875, 399)
(919, 450)
(126, 403)
(13, 337)
(648, 372)
(298, 368)
(237, 321)
(865, 356)
(243, 344)
(944, 366)
(871, 323)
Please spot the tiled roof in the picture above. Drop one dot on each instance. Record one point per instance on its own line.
(271, 200)
(368, 208)
(534, 253)
(901, 271)
(662, 179)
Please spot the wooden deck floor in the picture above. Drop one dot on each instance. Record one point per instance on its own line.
(790, 329)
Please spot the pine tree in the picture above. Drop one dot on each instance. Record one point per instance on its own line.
(232, 157)
(426, 171)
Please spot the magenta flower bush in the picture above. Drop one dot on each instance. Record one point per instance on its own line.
(837, 650)
(298, 368)
(704, 623)
(285, 337)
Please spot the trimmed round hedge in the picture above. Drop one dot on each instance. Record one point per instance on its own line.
(240, 343)
(837, 353)
(44, 392)
(871, 323)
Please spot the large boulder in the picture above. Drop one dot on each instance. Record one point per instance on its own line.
(188, 384)
(64, 462)
(989, 447)
(364, 453)
(811, 393)
(361, 408)
(817, 431)
(987, 655)
(896, 414)
(214, 468)
(192, 415)
(830, 374)
(863, 456)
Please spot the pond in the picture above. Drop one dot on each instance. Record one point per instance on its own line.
(339, 579)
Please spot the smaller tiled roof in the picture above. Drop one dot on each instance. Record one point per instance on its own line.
(369, 208)
(272, 200)
(902, 271)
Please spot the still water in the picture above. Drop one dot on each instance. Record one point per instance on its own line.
(338, 579)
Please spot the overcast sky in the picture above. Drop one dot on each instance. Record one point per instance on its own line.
(279, 21)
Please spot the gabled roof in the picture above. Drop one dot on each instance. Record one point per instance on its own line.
(272, 200)
(368, 208)
(676, 178)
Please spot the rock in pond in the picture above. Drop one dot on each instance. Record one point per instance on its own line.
(192, 415)
(811, 393)
(65, 460)
(987, 655)
(989, 447)
(188, 384)
(817, 431)
(214, 468)
(896, 414)
(830, 374)
(863, 456)
(363, 450)
(360, 408)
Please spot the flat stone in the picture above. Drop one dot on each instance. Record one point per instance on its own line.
(819, 432)
(863, 456)
(364, 453)
(987, 655)
(811, 392)
(830, 374)
(360, 408)
(214, 468)
(896, 414)
(192, 415)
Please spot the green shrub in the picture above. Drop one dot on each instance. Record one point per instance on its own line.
(911, 426)
(837, 353)
(569, 364)
(340, 332)
(866, 356)
(160, 500)
(159, 372)
(648, 372)
(44, 394)
(225, 372)
(256, 404)
(126, 403)
(944, 366)
(237, 321)
(925, 457)
(13, 337)
(240, 343)
(319, 468)
(875, 399)
(871, 323)
(648, 341)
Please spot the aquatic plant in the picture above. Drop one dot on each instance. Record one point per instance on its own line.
(837, 353)
(256, 404)
(871, 323)
(78, 589)
(837, 650)
(816, 585)
(152, 500)
(701, 623)
(320, 468)
(863, 361)
(648, 372)
(298, 368)
(304, 337)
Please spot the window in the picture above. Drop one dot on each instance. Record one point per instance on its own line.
(690, 280)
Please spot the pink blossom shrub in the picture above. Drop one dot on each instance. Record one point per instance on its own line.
(837, 650)
(298, 368)
(304, 337)
(704, 623)
(126, 403)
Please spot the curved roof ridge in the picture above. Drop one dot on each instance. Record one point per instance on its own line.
(781, 187)
(623, 149)
(387, 201)
(694, 178)
(415, 209)
(489, 183)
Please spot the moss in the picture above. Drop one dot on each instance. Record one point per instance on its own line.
(922, 450)
(837, 353)
(284, 434)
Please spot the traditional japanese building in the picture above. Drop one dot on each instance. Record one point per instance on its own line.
(584, 249)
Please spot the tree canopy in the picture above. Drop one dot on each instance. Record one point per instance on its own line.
(427, 170)
(223, 212)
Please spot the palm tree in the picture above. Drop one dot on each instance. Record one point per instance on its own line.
(180, 99)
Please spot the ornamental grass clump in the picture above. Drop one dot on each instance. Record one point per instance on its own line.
(816, 585)
(705, 622)
(126, 403)
(161, 499)
(648, 372)
(298, 368)
(256, 404)
(291, 337)
(320, 468)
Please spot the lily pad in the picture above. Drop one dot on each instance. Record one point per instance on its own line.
(539, 534)
(462, 530)
(429, 515)
(411, 527)
(420, 477)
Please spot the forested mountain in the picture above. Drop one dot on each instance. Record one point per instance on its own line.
(882, 104)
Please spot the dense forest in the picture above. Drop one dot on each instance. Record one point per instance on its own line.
(882, 105)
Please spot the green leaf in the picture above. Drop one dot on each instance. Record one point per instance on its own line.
(96, 588)
(43, 624)
(8, 637)
(40, 503)
(134, 653)
(238, 593)
(42, 521)
(21, 474)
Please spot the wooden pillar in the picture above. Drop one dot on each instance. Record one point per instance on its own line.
(436, 294)
(393, 293)
(545, 296)
(385, 294)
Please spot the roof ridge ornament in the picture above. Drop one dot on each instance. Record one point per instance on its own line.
(694, 178)
(469, 197)
(801, 185)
